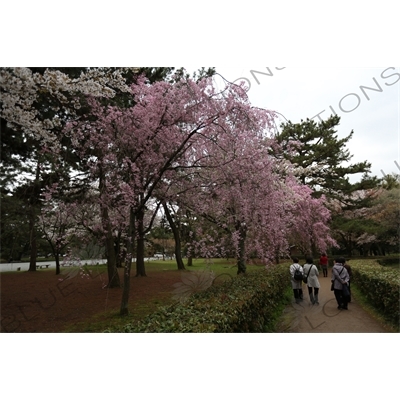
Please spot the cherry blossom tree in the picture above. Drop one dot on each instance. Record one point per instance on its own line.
(35, 105)
(308, 226)
(54, 222)
(252, 199)
(170, 127)
(372, 229)
(182, 142)
(242, 199)
(71, 223)
(23, 92)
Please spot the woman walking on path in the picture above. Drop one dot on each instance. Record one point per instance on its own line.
(323, 262)
(297, 285)
(347, 266)
(340, 277)
(312, 273)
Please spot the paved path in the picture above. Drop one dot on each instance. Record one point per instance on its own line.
(24, 266)
(325, 317)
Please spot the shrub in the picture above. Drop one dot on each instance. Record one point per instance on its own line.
(389, 261)
(244, 304)
(380, 286)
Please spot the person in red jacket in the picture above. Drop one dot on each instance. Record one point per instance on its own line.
(323, 262)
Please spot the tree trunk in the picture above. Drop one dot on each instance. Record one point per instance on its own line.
(32, 220)
(56, 253)
(113, 277)
(349, 246)
(314, 250)
(32, 240)
(241, 257)
(58, 269)
(128, 265)
(140, 267)
(175, 231)
(119, 256)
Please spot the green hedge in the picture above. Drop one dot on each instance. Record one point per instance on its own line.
(389, 261)
(243, 304)
(381, 287)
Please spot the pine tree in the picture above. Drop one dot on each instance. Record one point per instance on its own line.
(323, 160)
(323, 163)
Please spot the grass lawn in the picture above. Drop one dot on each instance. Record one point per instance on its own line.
(222, 268)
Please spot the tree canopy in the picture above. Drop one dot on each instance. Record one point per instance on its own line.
(322, 159)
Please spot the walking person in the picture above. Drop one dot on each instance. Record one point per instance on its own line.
(340, 278)
(311, 272)
(347, 266)
(297, 285)
(323, 262)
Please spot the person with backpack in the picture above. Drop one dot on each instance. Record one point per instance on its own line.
(296, 274)
(340, 278)
(311, 274)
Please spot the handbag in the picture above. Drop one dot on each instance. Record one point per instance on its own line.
(305, 278)
(345, 291)
(332, 287)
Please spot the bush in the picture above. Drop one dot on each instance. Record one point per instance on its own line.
(380, 286)
(389, 261)
(244, 304)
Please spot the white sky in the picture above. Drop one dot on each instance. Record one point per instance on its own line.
(301, 93)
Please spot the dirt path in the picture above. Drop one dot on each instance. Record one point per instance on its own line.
(42, 302)
(325, 317)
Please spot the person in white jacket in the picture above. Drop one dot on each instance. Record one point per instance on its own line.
(297, 286)
(311, 272)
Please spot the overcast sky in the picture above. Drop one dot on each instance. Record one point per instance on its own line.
(301, 93)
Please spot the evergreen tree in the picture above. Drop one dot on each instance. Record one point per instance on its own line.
(323, 163)
(321, 158)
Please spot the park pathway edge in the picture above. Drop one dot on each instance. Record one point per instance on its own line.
(325, 317)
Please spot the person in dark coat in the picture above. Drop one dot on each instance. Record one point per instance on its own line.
(340, 277)
(347, 266)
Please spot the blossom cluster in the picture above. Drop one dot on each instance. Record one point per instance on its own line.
(22, 90)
